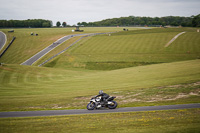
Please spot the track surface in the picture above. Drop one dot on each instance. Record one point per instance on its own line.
(84, 111)
(43, 52)
(2, 39)
(86, 35)
(40, 54)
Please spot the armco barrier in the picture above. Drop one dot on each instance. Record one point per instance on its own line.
(7, 46)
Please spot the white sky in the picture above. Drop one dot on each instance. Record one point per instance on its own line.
(74, 11)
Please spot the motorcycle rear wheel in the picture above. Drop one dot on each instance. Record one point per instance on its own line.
(113, 106)
(90, 106)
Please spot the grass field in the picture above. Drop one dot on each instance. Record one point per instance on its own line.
(182, 121)
(128, 49)
(35, 88)
(134, 66)
(26, 45)
(73, 77)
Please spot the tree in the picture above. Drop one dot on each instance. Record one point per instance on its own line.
(26, 23)
(64, 24)
(196, 21)
(58, 24)
(79, 24)
(132, 20)
(84, 24)
(46, 24)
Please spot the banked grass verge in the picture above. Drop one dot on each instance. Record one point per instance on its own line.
(35, 88)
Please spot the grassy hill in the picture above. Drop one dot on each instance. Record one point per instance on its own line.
(133, 65)
(30, 88)
(136, 62)
(25, 45)
(128, 49)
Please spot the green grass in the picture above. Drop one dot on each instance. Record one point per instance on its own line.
(135, 61)
(77, 74)
(25, 45)
(182, 121)
(134, 66)
(120, 50)
(128, 49)
(35, 88)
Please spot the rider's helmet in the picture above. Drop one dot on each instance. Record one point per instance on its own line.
(100, 92)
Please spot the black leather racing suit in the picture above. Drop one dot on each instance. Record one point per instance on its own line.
(104, 96)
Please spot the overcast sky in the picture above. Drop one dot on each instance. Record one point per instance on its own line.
(74, 11)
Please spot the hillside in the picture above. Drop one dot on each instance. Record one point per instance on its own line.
(30, 88)
(131, 48)
(25, 45)
(137, 68)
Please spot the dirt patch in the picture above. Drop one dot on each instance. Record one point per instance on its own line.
(56, 107)
(6, 68)
(193, 94)
(165, 93)
(157, 98)
(170, 98)
(148, 95)
(183, 85)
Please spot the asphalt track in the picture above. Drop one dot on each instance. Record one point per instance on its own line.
(43, 52)
(86, 35)
(84, 111)
(2, 39)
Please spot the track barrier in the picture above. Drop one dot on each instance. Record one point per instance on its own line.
(7, 47)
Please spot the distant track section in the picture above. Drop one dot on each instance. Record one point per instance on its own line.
(43, 52)
(59, 52)
(40, 54)
(70, 46)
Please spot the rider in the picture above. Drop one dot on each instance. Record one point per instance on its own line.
(104, 96)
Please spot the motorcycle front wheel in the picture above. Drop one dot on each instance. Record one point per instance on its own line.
(113, 105)
(90, 106)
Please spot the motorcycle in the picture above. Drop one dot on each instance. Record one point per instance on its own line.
(96, 103)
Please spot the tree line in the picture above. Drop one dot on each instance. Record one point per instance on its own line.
(193, 21)
(37, 23)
